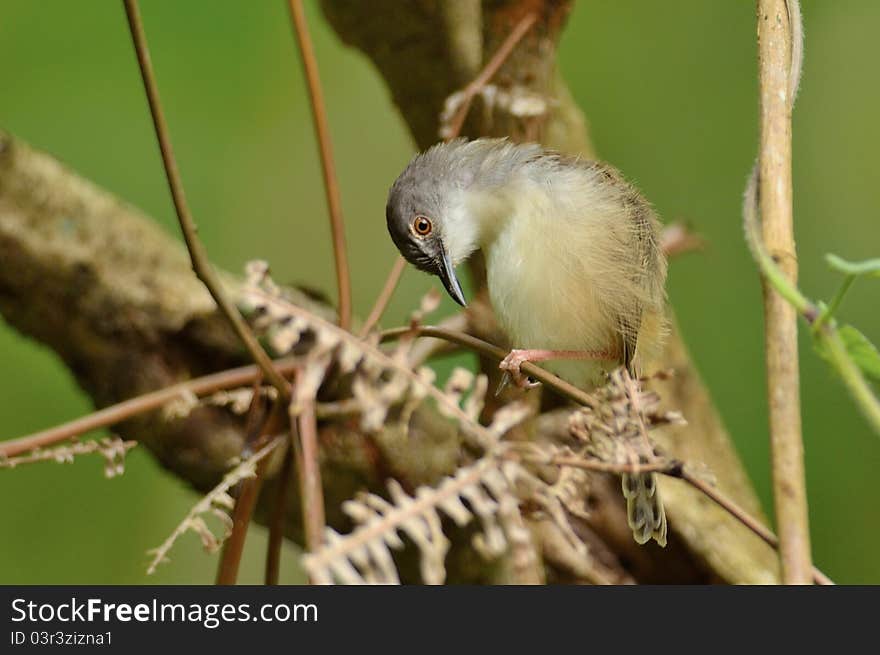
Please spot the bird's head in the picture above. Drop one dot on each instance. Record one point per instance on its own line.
(450, 200)
(425, 218)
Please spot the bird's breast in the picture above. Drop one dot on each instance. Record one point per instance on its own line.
(540, 282)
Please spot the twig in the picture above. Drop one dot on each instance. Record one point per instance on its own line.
(384, 297)
(258, 427)
(671, 468)
(309, 472)
(304, 415)
(483, 347)
(597, 465)
(743, 517)
(203, 386)
(328, 168)
(489, 70)
(276, 520)
(198, 255)
(454, 130)
(778, 55)
(230, 558)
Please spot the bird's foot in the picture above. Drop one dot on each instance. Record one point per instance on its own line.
(511, 367)
(517, 357)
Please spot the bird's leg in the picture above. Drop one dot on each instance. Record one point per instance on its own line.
(517, 357)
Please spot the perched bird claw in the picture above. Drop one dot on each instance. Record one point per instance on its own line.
(511, 367)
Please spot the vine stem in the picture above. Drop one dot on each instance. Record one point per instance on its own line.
(260, 423)
(276, 520)
(777, 48)
(198, 255)
(328, 167)
(311, 489)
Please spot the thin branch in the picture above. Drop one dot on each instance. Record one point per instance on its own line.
(203, 386)
(257, 428)
(778, 43)
(328, 168)
(488, 72)
(453, 131)
(309, 470)
(230, 558)
(671, 468)
(743, 517)
(485, 348)
(198, 255)
(596, 465)
(276, 520)
(384, 298)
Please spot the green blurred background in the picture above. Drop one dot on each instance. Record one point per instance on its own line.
(670, 92)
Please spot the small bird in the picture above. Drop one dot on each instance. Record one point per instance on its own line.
(575, 271)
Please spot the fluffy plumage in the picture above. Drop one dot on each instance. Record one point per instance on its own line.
(572, 255)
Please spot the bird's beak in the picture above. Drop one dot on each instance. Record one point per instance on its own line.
(450, 281)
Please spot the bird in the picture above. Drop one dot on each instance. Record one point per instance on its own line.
(574, 267)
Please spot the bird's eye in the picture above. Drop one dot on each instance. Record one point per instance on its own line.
(422, 226)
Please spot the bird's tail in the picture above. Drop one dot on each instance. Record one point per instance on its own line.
(644, 509)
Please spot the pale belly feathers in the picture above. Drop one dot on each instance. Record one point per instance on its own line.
(545, 293)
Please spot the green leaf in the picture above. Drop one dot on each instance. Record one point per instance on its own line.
(863, 352)
(869, 267)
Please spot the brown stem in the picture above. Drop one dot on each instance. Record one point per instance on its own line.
(200, 262)
(744, 517)
(775, 44)
(489, 70)
(673, 469)
(384, 298)
(276, 520)
(309, 473)
(485, 348)
(259, 426)
(328, 168)
(574, 461)
(230, 558)
(234, 377)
